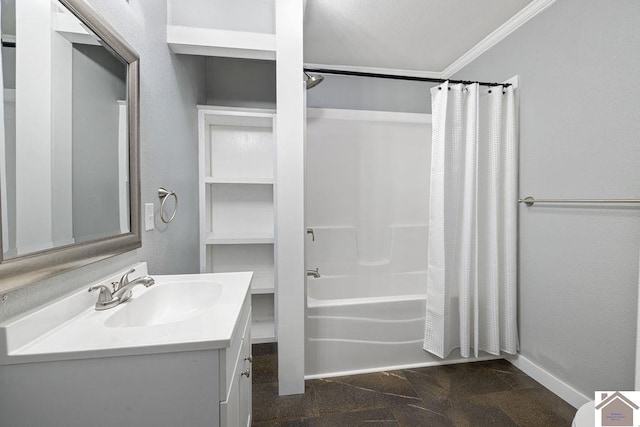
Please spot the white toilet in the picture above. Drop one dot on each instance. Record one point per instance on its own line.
(585, 416)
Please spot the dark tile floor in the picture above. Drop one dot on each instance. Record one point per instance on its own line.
(493, 393)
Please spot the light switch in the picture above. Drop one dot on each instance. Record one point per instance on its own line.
(149, 219)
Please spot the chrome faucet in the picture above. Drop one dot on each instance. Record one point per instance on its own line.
(121, 290)
(105, 298)
(313, 273)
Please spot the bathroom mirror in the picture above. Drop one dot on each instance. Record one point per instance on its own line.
(69, 181)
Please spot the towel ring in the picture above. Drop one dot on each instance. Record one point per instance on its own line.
(164, 194)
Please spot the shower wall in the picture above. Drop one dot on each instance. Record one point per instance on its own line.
(369, 171)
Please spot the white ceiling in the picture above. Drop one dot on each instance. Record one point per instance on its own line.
(420, 35)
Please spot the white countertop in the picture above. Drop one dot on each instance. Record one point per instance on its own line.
(71, 328)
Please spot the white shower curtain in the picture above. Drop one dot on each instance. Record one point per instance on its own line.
(471, 277)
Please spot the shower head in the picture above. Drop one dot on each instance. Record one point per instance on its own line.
(313, 80)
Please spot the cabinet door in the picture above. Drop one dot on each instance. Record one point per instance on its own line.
(247, 379)
(236, 410)
(230, 409)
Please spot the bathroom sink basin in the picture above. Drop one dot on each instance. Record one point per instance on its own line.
(168, 303)
(182, 312)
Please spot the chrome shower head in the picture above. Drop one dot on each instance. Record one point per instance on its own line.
(313, 80)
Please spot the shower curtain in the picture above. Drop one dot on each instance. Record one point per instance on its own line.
(471, 273)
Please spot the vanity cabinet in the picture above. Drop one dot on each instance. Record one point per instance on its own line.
(82, 371)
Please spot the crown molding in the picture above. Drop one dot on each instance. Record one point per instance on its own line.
(374, 70)
(519, 19)
(526, 14)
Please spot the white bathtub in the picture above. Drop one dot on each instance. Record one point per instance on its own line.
(354, 333)
(365, 316)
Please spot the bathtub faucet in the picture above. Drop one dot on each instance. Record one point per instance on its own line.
(313, 273)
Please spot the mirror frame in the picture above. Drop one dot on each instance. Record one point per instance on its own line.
(30, 268)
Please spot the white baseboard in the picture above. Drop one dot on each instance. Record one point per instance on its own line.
(553, 383)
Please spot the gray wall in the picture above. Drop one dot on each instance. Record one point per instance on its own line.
(8, 22)
(234, 82)
(9, 67)
(252, 83)
(10, 164)
(364, 93)
(171, 86)
(99, 81)
(578, 63)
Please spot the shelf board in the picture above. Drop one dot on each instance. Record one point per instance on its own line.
(262, 284)
(237, 239)
(263, 332)
(231, 44)
(241, 180)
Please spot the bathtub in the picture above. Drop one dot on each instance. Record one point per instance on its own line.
(348, 332)
(367, 316)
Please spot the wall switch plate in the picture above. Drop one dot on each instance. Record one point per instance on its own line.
(149, 217)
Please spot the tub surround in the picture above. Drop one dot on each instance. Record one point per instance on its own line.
(369, 242)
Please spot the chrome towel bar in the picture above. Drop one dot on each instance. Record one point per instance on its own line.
(530, 201)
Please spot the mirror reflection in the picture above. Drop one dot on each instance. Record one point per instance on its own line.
(63, 134)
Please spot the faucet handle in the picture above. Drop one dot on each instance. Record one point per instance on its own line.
(124, 280)
(105, 293)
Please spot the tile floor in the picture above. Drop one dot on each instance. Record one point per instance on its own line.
(493, 393)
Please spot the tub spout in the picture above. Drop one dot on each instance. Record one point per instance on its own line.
(313, 273)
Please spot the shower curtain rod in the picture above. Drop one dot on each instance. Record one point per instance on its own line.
(398, 77)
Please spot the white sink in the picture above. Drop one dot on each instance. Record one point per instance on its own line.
(169, 303)
(178, 313)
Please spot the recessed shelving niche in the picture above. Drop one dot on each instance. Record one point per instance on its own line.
(237, 148)
(245, 257)
(240, 210)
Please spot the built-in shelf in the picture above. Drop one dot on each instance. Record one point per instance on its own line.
(237, 239)
(240, 211)
(225, 43)
(263, 332)
(241, 180)
(237, 185)
(262, 284)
